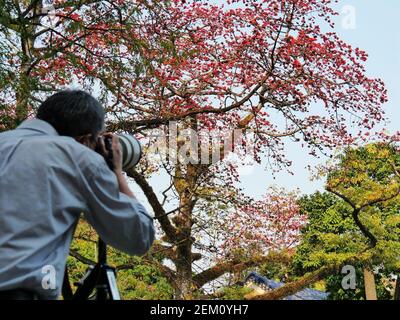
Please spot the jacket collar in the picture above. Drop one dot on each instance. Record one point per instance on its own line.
(39, 126)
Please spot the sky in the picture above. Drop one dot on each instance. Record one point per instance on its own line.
(372, 26)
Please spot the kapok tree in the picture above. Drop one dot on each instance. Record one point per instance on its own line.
(270, 224)
(263, 66)
(266, 67)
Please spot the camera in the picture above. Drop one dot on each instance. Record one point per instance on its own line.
(131, 151)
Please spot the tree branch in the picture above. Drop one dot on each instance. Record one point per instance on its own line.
(74, 253)
(235, 265)
(357, 210)
(159, 212)
(298, 285)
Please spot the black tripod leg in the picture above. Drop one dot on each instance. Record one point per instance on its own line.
(88, 285)
(66, 287)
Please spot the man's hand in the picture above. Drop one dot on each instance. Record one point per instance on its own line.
(117, 161)
(116, 150)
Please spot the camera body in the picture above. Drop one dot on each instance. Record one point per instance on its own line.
(131, 151)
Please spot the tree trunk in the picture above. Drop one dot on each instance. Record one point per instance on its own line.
(185, 181)
(397, 289)
(184, 287)
(369, 283)
(183, 261)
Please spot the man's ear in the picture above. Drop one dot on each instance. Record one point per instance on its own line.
(86, 140)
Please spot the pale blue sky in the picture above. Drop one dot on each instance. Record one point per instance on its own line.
(376, 31)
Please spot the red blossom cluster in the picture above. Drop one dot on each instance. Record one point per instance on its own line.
(273, 223)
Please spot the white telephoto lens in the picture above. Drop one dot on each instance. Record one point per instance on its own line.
(131, 151)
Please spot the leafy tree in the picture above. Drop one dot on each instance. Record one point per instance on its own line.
(235, 293)
(336, 292)
(279, 268)
(329, 215)
(329, 232)
(368, 180)
(358, 220)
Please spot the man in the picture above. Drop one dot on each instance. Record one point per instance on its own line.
(49, 175)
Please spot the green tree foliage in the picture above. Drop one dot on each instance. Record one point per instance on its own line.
(368, 180)
(335, 288)
(279, 267)
(235, 292)
(329, 234)
(329, 221)
(357, 221)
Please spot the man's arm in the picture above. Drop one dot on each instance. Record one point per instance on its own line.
(123, 185)
(114, 212)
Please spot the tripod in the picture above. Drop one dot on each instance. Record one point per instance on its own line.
(99, 278)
